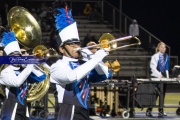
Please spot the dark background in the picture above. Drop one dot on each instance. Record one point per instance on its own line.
(160, 17)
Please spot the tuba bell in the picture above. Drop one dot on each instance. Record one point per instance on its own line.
(28, 34)
(25, 26)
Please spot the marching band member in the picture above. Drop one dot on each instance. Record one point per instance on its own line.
(16, 79)
(73, 75)
(160, 69)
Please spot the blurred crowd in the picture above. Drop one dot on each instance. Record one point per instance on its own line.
(41, 12)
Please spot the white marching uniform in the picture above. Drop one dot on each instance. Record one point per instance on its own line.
(16, 82)
(73, 80)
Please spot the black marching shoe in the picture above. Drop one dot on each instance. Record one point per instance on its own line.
(149, 113)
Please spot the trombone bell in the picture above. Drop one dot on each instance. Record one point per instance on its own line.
(104, 41)
(107, 41)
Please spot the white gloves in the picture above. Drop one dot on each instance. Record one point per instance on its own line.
(87, 54)
(30, 66)
(27, 65)
(45, 65)
(100, 54)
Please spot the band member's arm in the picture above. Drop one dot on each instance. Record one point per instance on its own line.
(38, 71)
(96, 77)
(101, 68)
(37, 75)
(62, 72)
(9, 78)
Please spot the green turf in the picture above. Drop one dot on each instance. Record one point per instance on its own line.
(171, 99)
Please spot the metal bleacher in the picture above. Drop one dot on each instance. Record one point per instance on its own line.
(134, 60)
(131, 59)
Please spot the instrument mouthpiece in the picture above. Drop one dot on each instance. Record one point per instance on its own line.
(77, 49)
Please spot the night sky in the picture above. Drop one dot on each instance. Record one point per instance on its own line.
(160, 17)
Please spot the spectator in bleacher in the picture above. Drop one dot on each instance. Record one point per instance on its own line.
(159, 65)
(95, 38)
(89, 38)
(34, 14)
(43, 10)
(98, 12)
(93, 49)
(134, 28)
(93, 13)
(87, 10)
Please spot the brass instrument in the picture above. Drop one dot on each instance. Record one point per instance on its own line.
(41, 51)
(25, 26)
(2, 92)
(28, 33)
(114, 66)
(109, 43)
(38, 90)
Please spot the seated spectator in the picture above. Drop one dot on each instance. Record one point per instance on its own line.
(93, 49)
(96, 13)
(87, 38)
(87, 10)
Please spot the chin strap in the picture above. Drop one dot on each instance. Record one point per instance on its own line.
(80, 55)
(67, 51)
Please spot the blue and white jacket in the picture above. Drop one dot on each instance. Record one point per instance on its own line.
(73, 80)
(156, 67)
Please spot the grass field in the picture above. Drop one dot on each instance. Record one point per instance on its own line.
(171, 99)
(171, 103)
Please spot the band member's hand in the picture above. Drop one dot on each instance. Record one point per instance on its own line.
(178, 76)
(27, 65)
(24, 65)
(45, 65)
(100, 54)
(30, 66)
(87, 54)
(162, 76)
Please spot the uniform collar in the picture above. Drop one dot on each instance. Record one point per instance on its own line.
(69, 59)
(14, 68)
(161, 53)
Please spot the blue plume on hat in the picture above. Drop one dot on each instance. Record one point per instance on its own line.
(8, 37)
(63, 18)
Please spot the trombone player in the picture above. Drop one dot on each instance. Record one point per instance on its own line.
(72, 75)
(16, 78)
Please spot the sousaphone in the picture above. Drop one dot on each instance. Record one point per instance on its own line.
(29, 35)
(25, 26)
